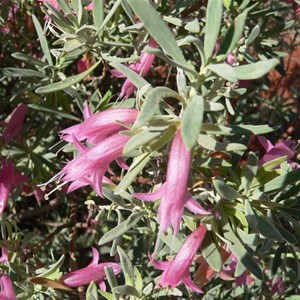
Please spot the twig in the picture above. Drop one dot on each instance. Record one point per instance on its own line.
(38, 211)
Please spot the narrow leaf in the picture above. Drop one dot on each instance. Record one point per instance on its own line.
(151, 104)
(122, 228)
(157, 28)
(98, 12)
(42, 39)
(225, 71)
(214, 14)
(255, 70)
(57, 86)
(192, 121)
(225, 190)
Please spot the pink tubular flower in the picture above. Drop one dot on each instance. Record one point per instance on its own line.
(96, 127)
(82, 64)
(15, 123)
(102, 131)
(93, 272)
(90, 166)
(142, 67)
(284, 148)
(6, 289)
(177, 270)
(8, 179)
(173, 193)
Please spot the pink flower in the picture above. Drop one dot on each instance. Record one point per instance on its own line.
(177, 270)
(92, 163)
(98, 126)
(284, 148)
(90, 6)
(15, 123)
(173, 193)
(8, 179)
(142, 67)
(82, 64)
(6, 289)
(93, 272)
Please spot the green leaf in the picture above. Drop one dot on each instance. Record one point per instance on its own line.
(249, 171)
(42, 39)
(18, 72)
(224, 190)
(211, 253)
(260, 222)
(98, 12)
(151, 104)
(233, 35)
(135, 78)
(109, 15)
(126, 290)
(112, 280)
(107, 295)
(92, 292)
(57, 86)
(209, 143)
(157, 28)
(126, 266)
(53, 112)
(28, 59)
(214, 16)
(147, 135)
(192, 121)
(253, 35)
(136, 167)
(281, 181)
(122, 228)
(238, 249)
(225, 71)
(255, 70)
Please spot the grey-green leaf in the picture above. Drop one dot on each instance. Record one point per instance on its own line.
(57, 86)
(42, 38)
(214, 14)
(18, 72)
(255, 70)
(126, 266)
(224, 190)
(157, 28)
(225, 71)
(98, 12)
(151, 104)
(192, 121)
(138, 164)
(126, 290)
(122, 228)
(211, 253)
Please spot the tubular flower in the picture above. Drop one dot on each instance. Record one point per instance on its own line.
(142, 67)
(173, 193)
(8, 179)
(93, 272)
(102, 131)
(91, 165)
(177, 270)
(284, 148)
(98, 126)
(6, 289)
(15, 123)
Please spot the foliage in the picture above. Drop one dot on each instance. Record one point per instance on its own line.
(179, 95)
